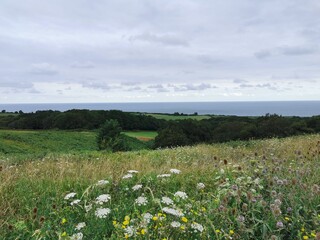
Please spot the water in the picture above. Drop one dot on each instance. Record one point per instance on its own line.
(284, 108)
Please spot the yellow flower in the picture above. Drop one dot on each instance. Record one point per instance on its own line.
(63, 221)
(125, 223)
(126, 236)
(143, 231)
(302, 229)
(305, 237)
(231, 232)
(203, 209)
(155, 218)
(184, 219)
(218, 231)
(64, 234)
(127, 218)
(313, 235)
(114, 223)
(287, 219)
(182, 227)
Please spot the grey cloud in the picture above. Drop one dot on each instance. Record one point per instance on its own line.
(159, 88)
(264, 85)
(192, 87)
(15, 84)
(292, 51)
(165, 39)
(43, 69)
(130, 83)
(262, 54)
(133, 89)
(96, 85)
(238, 80)
(82, 65)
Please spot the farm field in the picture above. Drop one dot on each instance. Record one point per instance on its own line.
(176, 117)
(264, 189)
(142, 135)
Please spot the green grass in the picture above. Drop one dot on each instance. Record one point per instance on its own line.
(264, 189)
(174, 117)
(144, 135)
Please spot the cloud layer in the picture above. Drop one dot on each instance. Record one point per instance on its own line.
(179, 50)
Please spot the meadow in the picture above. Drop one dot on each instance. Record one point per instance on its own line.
(262, 189)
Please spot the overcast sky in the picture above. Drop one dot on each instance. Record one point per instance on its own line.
(157, 50)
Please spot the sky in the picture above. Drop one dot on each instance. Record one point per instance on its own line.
(59, 51)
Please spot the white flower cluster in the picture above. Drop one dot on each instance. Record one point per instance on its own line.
(141, 201)
(180, 194)
(75, 202)
(77, 236)
(129, 175)
(175, 224)
(165, 175)
(167, 200)
(88, 207)
(147, 217)
(70, 195)
(102, 212)
(197, 227)
(80, 226)
(104, 198)
(175, 171)
(136, 187)
(132, 171)
(172, 211)
(102, 182)
(200, 186)
(130, 231)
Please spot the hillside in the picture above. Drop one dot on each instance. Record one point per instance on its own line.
(263, 189)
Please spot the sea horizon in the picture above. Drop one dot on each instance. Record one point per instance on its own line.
(240, 108)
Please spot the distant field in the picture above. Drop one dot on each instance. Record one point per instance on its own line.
(174, 117)
(142, 135)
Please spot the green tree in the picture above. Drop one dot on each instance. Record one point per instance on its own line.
(110, 138)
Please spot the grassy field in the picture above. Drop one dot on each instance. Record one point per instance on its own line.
(174, 117)
(266, 189)
(142, 135)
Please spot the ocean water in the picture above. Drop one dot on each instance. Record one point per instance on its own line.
(284, 108)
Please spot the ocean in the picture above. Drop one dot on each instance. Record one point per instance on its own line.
(284, 108)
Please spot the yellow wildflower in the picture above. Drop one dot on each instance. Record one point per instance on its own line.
(218, 231)
(64, 234)
(63, 221)
(182, 227)
(126, 236)
(287, 219)
(127, 218)
(143, 231)
(184, 219)
(125, 223)
(155, 218)
(305, 237)
(231, 232)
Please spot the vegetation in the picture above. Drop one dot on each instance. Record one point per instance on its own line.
(142, 135)
(262, 189)
(178, 116)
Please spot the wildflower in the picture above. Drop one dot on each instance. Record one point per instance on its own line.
(280, 224)
(143, 231)
(129, 175)
(133, 171)
(102, 212)
(77, 236)
(184, 219)
(175, 171)
(136, 187)
(80, 226)
(164, 175)
(183, 227)
(141, 201)
(277, 202)
(197, 227)
(75, 202)
(102, 182)
(104, 198)
(70, 195)
(63, 221)
(147, 217)
(231, 232)
(155, 218)
(305, 237)
(172, 211)
(175, 224)
(200, 186)
(218, 231)
(180, 194)
(287, 218)
(241, 218)
(64, 234)
(167, 200)
(130, 231)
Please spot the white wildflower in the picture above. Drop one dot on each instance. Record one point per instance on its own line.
(70, 195)
(175, 171)
(102, 182)
(165, 175)
(197, 227)
(167, 200)
(77, 236)
(129, 175)
(200, 186)
(102, 212)
(180, 194)
(175, 224)
(172, 211)
(104, 198)
(75, 202)
(132, 171)
(88, 207)
(147, 217)
(80, 226)
(136, 187)
(141, 201)
(130, 231)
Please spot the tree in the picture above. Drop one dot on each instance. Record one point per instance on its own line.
(109, 137)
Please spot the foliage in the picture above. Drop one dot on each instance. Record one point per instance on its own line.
(265, 189)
